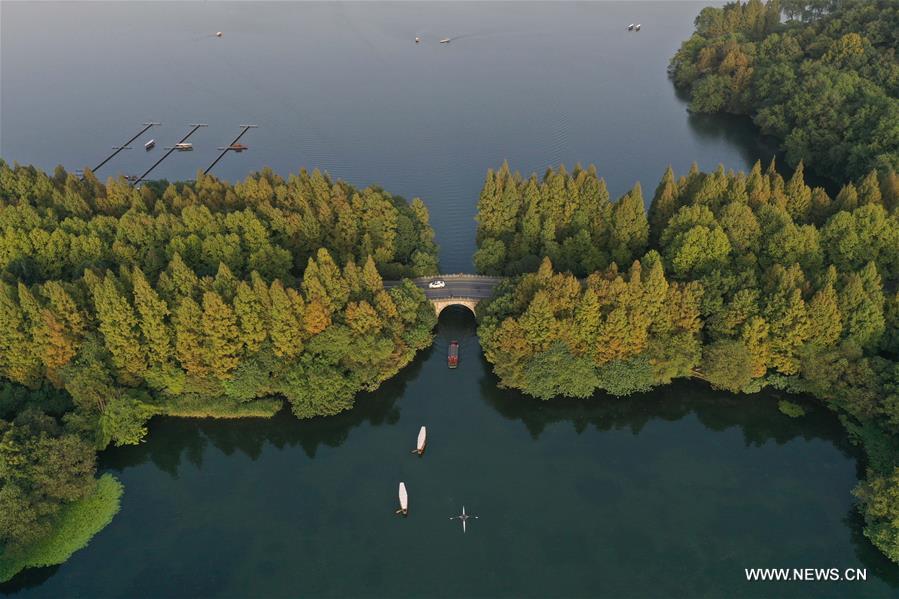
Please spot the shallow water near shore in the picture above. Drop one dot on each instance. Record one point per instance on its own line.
(673, 492)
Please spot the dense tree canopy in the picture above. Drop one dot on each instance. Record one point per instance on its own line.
(825, 83)
(206, 292)
(551, 335)
(53, 227)
(743, 280)
(191, 299)
(564, 216)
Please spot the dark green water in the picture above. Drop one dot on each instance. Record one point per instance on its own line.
(671, 493)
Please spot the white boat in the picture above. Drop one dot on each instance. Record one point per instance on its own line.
(404, 500)
(149, 145)
(630, 27)
(417, 39)
(422, 440)
(637, 27)
(446, 40)
(184, 147)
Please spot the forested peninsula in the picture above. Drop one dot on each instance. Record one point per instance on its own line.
(742, 280)
(190, 299)
(825, 83)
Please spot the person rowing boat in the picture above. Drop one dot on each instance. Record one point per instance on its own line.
(464, 518)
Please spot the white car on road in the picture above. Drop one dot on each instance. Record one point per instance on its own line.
(438, 284)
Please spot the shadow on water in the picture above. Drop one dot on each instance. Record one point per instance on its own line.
(737, 130)
(741, 133)
(27, 579)
(457, 323)
(756, 416)
(868, 555)
(172, 440)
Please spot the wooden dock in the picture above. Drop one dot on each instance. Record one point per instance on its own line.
(124, 146)
(229, 147)
(194, 128)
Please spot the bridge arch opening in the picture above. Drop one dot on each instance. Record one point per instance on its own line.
(465, 304)
(456, 322)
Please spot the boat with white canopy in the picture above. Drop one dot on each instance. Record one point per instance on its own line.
(404, 500)
(422, 441)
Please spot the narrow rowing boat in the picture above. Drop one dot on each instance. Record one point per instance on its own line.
(404, 500)
(422, 440)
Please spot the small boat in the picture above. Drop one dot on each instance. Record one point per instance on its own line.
(422, 441)
(149, 145)
(464, 518)
(637, 27)
(237, 147)
(630, 27)
(404, 500)
(452, 357)
(218, 34)
(184, 147)
(446, 40)
(417, 39)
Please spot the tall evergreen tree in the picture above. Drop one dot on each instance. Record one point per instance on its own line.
(153, 324)
(630, 228)
(221, 337)
(664, 204)
(189, 337)
(118, 324)
(250, 317)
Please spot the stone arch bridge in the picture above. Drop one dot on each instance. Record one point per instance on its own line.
(460, 290)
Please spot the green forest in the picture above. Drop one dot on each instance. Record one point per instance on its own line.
(187, 299)
(742, 280)
(825, 83)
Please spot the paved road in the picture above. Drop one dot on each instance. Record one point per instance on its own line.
(470, 286)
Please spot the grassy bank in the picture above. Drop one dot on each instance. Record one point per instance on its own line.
(76, 525)
(189, 407)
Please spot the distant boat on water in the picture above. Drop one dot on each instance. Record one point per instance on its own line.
(446, 40)
(630, 27)
(637, 27)
(149, 145)
(184, 146)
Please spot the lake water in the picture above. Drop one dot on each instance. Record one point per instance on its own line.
(344, 88)
(670, 493)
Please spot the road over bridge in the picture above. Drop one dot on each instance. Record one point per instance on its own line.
(460, 290)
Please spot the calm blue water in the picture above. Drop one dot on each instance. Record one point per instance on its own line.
(344, 88)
